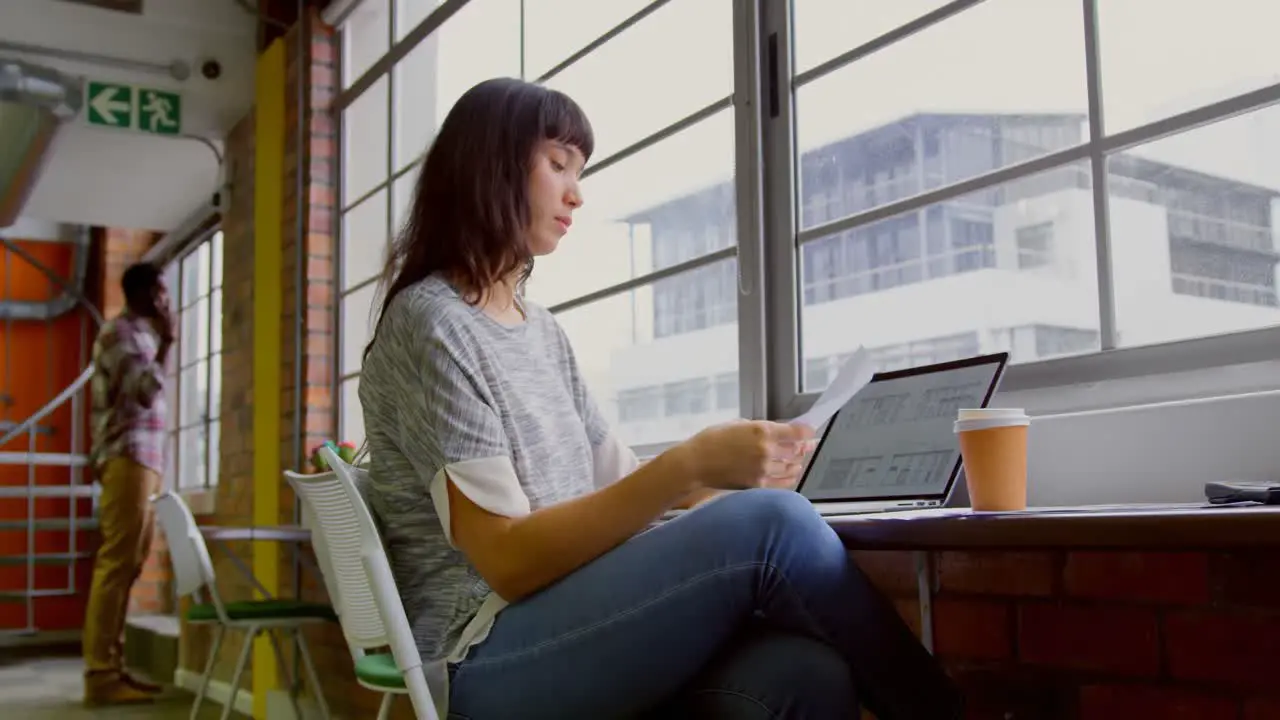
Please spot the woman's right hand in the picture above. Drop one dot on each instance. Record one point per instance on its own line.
(749, 454)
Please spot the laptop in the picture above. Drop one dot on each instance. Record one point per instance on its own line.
(892, 446)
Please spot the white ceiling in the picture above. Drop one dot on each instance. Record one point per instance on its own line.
(120, 178)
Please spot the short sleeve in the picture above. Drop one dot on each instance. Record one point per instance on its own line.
(449, 428)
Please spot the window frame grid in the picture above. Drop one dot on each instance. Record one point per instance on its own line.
(207, 420)
(767, 202)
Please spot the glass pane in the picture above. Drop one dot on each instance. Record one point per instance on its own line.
(639, 216)
(402, 198)
(195, 274)
(364, 240)
(480, 41)
(215, 386)
(364, 38)
(352, 418)
(215, 245)
(946, 281)
(364, 143)
(549, 39)
(215, 451)
(172, 278)
(193, 393)
(357, 326)
(215, 330)
(191, 457)
(1194, 232)
(673, 63)
(410, 13)
(913, 127)
(194, 331)
(652, 356)
(826, 28)
(1203, 52)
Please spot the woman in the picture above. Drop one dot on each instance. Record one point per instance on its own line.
(516, 521)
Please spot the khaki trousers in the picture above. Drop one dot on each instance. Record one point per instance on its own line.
(127, 522)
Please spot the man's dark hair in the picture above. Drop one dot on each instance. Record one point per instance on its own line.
(139, 283)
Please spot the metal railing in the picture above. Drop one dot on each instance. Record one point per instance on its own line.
(73, 458)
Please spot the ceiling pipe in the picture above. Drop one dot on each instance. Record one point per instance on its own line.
(72, 292)
(177, 69)
(28, 84)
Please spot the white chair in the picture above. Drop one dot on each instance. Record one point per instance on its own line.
(193, 573)
(358, 578)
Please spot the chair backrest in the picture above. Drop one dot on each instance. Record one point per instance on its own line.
(323, 556)
(368, 603)
(188, 553)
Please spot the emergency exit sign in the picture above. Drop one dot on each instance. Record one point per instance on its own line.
(116, 105)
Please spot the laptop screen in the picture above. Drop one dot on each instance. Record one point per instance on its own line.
(895, 438)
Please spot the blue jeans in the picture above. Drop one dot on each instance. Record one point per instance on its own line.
(731, 610)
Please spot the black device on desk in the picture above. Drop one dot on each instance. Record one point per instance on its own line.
(1225, 493)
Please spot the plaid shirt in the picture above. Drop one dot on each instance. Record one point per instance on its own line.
(129, 407)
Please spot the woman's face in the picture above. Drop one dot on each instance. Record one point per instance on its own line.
(553, 194)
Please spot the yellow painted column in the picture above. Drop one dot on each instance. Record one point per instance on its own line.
(268, 251)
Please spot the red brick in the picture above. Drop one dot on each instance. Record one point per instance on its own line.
(894, 573)
(972, 629)
(1231, 648)
(996, 573)
(1262, 708)
(909, 611)
(1248, 579)
(1157, 577)
(1129, 702)
(1003, 693)
(1113, 639)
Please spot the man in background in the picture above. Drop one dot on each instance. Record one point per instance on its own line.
(129, 423)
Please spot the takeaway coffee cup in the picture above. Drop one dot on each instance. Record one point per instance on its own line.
(993, 446)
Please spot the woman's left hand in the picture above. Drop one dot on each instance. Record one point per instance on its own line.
(785, 472)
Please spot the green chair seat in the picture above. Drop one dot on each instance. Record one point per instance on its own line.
(380, 671)
(264, 610)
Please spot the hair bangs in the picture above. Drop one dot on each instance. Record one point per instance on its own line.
(564, 121)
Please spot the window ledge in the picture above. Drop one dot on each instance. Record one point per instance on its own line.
(202, 501)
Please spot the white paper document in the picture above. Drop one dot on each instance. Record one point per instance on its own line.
(853, 376)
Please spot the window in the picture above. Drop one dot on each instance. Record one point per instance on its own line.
(1035, 246)
(386, 127)
(926, 194)
(194, 385)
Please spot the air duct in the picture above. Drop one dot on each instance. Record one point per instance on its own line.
(33, 102)
(69, 292)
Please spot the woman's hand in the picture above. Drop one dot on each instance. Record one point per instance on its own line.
(749, 454)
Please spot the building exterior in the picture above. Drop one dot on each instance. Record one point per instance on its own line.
(1008, 268)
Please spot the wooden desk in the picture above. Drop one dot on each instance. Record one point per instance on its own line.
(1104, 527)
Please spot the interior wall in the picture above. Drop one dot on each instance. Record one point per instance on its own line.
(38, 359)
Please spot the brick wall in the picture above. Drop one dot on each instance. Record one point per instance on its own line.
(234, 495)
(1102, 636)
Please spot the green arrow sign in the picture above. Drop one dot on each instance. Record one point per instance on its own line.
(158, 112)
(110, 105)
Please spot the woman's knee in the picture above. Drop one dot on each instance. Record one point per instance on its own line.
(772, 511)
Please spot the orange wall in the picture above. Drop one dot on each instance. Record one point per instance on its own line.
(37, 360)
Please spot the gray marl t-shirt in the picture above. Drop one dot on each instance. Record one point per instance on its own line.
(503, 409)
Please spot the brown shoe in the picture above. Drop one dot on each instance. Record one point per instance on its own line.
(138, 683)
(112, 689)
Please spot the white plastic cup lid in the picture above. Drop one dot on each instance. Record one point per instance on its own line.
(991, 423)
(990, 413)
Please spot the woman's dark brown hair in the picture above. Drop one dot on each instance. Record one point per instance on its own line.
(470, 208)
